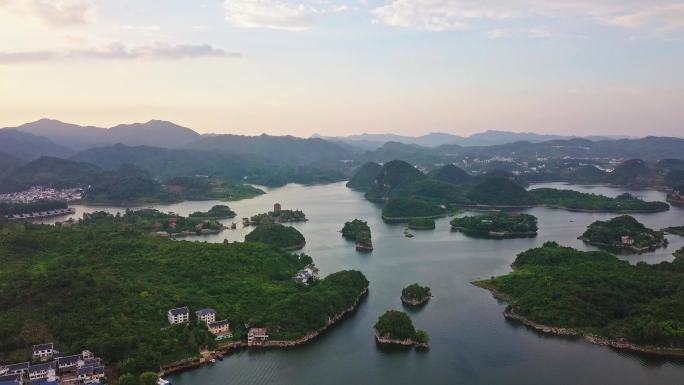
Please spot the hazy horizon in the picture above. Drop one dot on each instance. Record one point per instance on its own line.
(333, 68)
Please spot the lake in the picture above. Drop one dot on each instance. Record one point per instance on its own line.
(471, 342)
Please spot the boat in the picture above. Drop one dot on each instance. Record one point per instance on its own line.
(213, 360)
(162, 381)
(408, 235)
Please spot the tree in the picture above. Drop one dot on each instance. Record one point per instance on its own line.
(149, 378)
(127, 379)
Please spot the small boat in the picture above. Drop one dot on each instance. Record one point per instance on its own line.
(162, 381)
(408, 235)
(213, 360)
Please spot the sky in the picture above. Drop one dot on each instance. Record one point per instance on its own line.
(330, 67)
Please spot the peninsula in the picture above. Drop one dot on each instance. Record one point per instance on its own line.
(623, 233)
(216, 212)
(596, 296)
(497, 225)
(278, 215)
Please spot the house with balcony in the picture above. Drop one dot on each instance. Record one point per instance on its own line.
(206, 315)
(178, 315)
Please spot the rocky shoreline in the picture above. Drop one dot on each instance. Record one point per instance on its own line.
(495, 234)
(406, 219)
(568, 332)
(192, 363)
(627, 248)
(407, 342)
(416, 302)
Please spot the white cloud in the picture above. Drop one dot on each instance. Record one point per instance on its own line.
(119, 51)
(271, 14)
(507, 33)
(54, 13)
(658, 16)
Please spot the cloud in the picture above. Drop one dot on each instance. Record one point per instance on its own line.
(508, 33)
(659, 16)
(278, 14)
(118, 51)
(54, 13)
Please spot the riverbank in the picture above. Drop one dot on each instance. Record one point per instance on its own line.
(234, 347)
(495, 234)
(416, 302)
(406, 219)
(295, 247)
(558, 207)
(509, 314)
(631, 248)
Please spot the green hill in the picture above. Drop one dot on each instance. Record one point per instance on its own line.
(403, 209)
(623, 232)
(364, 177)
(451, 174)
(636, 173)
(284, 237)
(500, 192)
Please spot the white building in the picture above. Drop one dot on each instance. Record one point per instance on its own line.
(206, 315)
(43, 351)
(178, 315)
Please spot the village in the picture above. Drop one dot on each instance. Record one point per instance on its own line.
(50, 367)
(41, 193)
(221, 329)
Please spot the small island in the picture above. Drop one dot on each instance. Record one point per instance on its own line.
(278, 215)
(284, 237)
(497, 225)
(596, 296)
(623, 233)
(359, 232)
(216, 212)
(400, 210)
(415, 295)
(396, 328)
(421, 224)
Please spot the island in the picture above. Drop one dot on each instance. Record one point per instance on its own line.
(421, 224)
(396, 328)
(199, 188)
(111, 283)
(216, 212)
(401, 210)
(623, 233)
(359, 232)
(415, 295)
(497, 225)
(284, 237)
(156, 223)
(596, 296)
(278, 215)
(578, 201)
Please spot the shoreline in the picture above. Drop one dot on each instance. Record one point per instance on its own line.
(633, 249)
(406, 343)
(509, 314)
(495, 234)
(558, 207)
(234, 347)
(415, 302)
(406, 219)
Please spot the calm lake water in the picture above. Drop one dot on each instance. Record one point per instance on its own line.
(471, 342)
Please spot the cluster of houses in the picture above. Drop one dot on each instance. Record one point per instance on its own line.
(40, 193)
(221, 329)
(50, 367)
(180, 315)
(627, 240)
(306, 275)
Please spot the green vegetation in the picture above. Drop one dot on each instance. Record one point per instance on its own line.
(623, 232)
(150, 220)
(415, 295)
(364, 178)
(498, 191)
(216, 212)
(284, 237)
(596, 293)
(104, 285)
(9, 209)
(421, 223)
(394, 177)
(403, 209)
(397, 326)
(679, 253)
(500, 225)
(676, 230)
(282, 216)
(205, 188)
(359, 232)
(451, 174)
(575, 200)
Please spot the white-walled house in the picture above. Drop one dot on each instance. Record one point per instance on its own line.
(45, 370)
(43, 351)
(206, 315)
(219, 327)
(178, 315)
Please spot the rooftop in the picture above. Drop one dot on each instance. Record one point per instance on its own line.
(179, 311)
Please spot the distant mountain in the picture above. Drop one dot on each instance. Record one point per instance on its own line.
(155, 132)
(487, 138)
(283, 149)
(8, 164)
(26, 146)
(637, 173)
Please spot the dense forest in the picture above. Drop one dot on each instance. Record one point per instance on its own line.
(415, 294)
(597, 293)
(623, 232)
(205, 188)
(105, 286)
(403, 209)
(284, 237)
(497, 224)
(576, 200)
(215, 212)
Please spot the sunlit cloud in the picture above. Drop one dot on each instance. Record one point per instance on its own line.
(119, 51)
(53, 13)
(277, 14)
